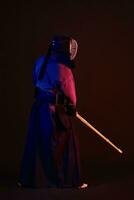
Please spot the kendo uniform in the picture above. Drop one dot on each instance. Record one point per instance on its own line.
(50, 132)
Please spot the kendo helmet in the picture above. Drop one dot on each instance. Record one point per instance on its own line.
(64, 45)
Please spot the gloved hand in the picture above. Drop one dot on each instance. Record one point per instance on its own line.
(71, 110)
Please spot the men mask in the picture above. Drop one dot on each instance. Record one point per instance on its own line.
(73, 49)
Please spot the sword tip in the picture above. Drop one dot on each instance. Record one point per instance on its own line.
(120, 151)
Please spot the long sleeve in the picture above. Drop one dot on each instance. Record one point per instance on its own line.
(67, 83)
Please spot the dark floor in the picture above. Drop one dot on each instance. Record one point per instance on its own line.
(120, 187)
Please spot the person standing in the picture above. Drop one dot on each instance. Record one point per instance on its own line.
(50, 132)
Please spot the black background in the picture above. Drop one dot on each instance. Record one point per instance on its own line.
(104, 76)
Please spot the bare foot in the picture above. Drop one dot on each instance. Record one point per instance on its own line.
(83, 186)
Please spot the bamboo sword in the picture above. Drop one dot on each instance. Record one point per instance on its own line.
(98, 133)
